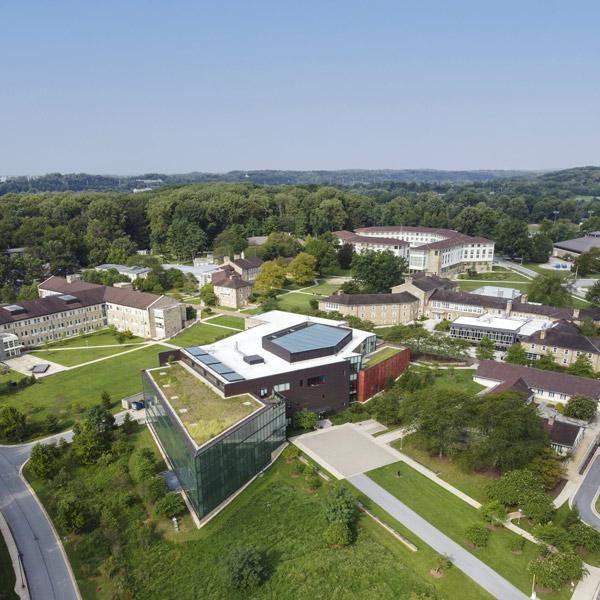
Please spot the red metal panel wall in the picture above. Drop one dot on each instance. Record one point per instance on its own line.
(370, 381)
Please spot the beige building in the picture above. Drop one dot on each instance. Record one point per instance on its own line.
(246, 268)
(381, 309)
(68, 309)
(231, 290)
(438, 251)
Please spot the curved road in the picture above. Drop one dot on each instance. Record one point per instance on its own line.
(47, 569)
(584, 498)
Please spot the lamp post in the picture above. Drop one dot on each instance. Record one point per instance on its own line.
(555, 213)
(533, 594)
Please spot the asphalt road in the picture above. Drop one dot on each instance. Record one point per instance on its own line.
(486, 577)
(45, 566)
(586, 493)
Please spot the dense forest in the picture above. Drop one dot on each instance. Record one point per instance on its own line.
(64, 231)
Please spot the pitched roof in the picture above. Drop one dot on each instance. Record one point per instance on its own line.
(562, 433)
(553, 381)
(113, 295)
(581, 244)
(374, 299)
(511, 385)
(352, 238)
(543, 309)
(234, 282)
(409, 229)
(251, 262)
(469, 299)
(428, 283)
(563, 338)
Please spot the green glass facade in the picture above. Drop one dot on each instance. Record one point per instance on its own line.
(211, 473)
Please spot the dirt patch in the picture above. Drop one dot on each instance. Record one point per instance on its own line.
(435, 573)
(557, 489)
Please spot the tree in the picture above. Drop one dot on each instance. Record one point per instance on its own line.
(512, 236)
(377, 272)
(385, 407)
(443, 325)
(339, 505)
(72, 514)
(302, 268)
(538, 507)
(338, 534)
(13, 424)
(593, 294)
(555, 569)
(548, 468)
(485, 349)
(588, 328)
(42, 460)
(50, 424)
(477, 535)
(230, 241)
(271, 275)
(516, 355)
(548, 288)
(106, 400)
(245, 569)
(514, 486)
(280, 244)
(92, 437)
(547, 362)
(587, 262)
(170, 505)
(582, 367)
(581, 407)
(539, 249)
(185, 240)
(323, 249)
(493, 512)
(584, 536)
(207, 294)
(305, 419)
(344, 255)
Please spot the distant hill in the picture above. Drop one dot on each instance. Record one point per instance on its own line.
(58, 182)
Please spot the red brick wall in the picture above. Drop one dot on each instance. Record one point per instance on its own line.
(370, 381)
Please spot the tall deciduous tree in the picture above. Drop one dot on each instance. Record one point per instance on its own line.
(549, 288)
(516, 355)
(270, 276)
(377, 272)
(302, 268)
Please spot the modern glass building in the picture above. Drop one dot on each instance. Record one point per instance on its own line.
(211, 471)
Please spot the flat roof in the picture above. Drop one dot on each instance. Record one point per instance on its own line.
(231, 350)
(516, 325)
(204, 413)
(498, 292)
(311, 337)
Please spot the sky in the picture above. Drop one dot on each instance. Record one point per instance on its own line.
(131, 87)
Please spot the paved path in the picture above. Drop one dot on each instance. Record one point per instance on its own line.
(486, 577)
(46, 566)
(586, 494)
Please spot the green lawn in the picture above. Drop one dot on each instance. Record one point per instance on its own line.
(228, 321)
(498, 274)
(324, 288)
(277, 514)
(7, 574)
(452, 516)
(200, 334)
(9, 376)
(97, 338)
(68, 394)
(71, 358)
(204, 413)
(456, 378)
(295, 302)
(469, 286)
(380, 356)
(253, 311)
(472, 484)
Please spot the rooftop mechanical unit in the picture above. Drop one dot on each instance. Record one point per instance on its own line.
(254, 359)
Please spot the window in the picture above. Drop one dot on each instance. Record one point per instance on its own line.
(281, 387)
(315, 381)
(263, 392)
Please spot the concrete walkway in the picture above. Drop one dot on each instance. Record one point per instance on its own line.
(483, 575)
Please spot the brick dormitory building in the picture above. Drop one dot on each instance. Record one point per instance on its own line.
(70, 308)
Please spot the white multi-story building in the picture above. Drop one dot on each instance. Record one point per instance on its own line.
(431, 250)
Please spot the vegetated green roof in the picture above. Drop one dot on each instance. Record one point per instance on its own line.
(204, 413)
(380, 356)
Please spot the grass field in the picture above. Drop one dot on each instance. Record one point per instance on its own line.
(324, 288)
(228, 321)
(68, 394)
(452, 516)
(295, 302)
(204, 413)
(472, 484)
(469, 286)
(456, 378)
(97, 338)
(7, 574)
(277, 514)
(73, 357)
(498, 274)
(200, 334)
(380, 356)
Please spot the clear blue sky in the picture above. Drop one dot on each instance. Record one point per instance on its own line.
(173, 86)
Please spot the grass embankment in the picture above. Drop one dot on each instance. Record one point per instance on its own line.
(452, 516)
(68, 394)
(200, 334)
(498, 274)
(277, 514)
(380, 356)
(228, 321)
(204, 413)
(324, 288)
(7, 574)
(456, 378)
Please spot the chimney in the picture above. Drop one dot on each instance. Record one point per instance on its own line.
(524, 298)
(543, 334)
(243, 254)
(73, 277)
(509, 305)
(576, 313)
(236, 257)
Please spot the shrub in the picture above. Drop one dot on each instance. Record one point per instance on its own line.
(581, 407)
(552, 534)
(339, 505)
(13, 424)
(582, 535)
(50, 424)
(478, 535)
(291, 452)
(443, 325)
(143, 465)
(338, 534)
(128, 425)
(493, 512)
(155, 488)
(245, 568)
(43, 460)
(516, 544)
(299, 467)
(170, 505)
(555, 569)
(106, 400)
(305, 419)
(514, 486)
(313, 481)
(71, 513)
(538, 507)
(442, 563)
